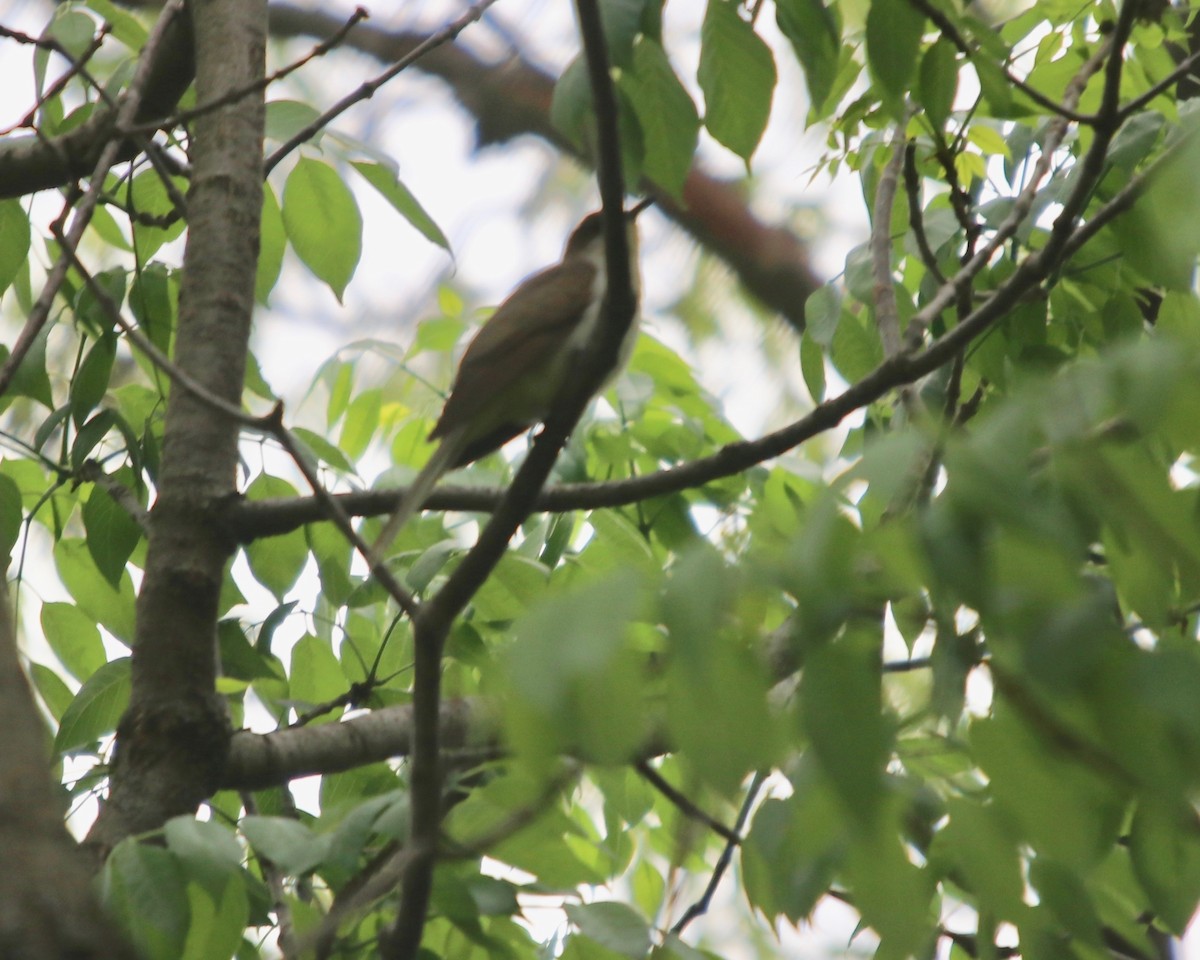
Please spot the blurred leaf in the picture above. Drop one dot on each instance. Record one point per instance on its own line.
(278, 560)
(716, 691)
(74, 638)
(573, 682)
(14, 241)
(111, 607)
(401, 198)
(841, 711)
(668, 118)
(613, 925)
(737, 75)
(143, 886)
(112, 533)
(271, 247)
(1165, 846)
(894, 29)
(289, 844)
(96, 708)
(816, 36)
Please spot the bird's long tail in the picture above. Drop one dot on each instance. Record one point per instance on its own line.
(414, 498)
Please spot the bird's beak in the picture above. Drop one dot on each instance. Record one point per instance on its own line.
(632, 212)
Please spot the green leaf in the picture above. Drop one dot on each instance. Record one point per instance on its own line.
(812, 365)
(1062, 809)
(50, 687)
(1160, 236)
(855, 349)
(891, 892)
(822, 311)
(975, 843)
(938, 81)
(216, 927)
(571, 103)
(813, 30)
(210, 850)
(841, 709)
(276, 562)
(31, 379)
(1165, 850)
(716, 689)
(91, 381)
(894, 29)
(573, 681)
(401, 198)
(322, 450)
(147, 196)
(14, 241)
(74, 638)
(112, 534)
(96, 708)
(737, 75)
(111, 607)
(316, 675)
(794, 849)
(11, 517)
(289, 844)
(323, 223)
(362, 420)
(668, 118)
(144, 888)
(153, 298)
(286, 118)
(613, 925)
(271, 246)
(89, 436)
(622, 20)
(125, 27)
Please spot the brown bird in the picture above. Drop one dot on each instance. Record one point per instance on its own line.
(519, 360)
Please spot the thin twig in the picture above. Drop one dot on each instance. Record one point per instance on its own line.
(700, 907)
(1136, 104)
(916, 218)
(368, 89)
(684, 803)
(1022, 205)
(184, 116)
(884, 290)
(75, 67)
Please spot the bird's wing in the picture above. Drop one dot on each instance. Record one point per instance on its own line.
(515, 348)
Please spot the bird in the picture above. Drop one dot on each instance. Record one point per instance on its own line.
(517, 363)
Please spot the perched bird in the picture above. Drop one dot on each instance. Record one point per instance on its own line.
(519, 360)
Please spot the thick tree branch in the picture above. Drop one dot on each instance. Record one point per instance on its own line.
(49, 908)
(173, 739)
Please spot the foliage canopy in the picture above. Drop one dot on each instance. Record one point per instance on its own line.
(941, 667)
